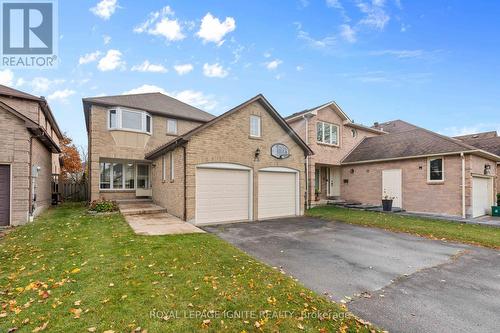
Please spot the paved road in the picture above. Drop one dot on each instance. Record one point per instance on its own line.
(397, 281)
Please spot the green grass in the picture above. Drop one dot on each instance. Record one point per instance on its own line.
(426, 227)
(71, 271)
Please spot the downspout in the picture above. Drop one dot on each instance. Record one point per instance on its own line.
(307, 203)
(185, 184)
(463, 184)
(30, 191)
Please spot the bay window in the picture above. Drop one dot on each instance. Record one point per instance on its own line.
(132, 120)
(327, 133)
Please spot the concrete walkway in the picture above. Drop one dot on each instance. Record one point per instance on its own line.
(146, 218)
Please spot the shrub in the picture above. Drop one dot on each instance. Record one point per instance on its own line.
(103, 205)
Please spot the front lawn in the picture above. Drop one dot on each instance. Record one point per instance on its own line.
(72, 272)
(431, 228)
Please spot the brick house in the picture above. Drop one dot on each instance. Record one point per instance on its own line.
(29, 155)
(423, 171)
(246, 164)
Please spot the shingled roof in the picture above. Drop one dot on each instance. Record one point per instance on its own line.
(394, 126)
(488, 141)
(409, 143)
(155, 103)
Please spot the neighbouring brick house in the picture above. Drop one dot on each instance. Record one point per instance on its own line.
(246, 164)
(423, 171)
(29, 155)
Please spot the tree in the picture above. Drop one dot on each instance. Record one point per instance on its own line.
(71, 162)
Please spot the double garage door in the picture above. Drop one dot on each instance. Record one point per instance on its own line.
(225, 194)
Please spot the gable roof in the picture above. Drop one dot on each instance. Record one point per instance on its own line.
(411, 143)
(11, 92)
(488, 141)
(260, 99)
(394, 126)
(155, 103)
(335, 106)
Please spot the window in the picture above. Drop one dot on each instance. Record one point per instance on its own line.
(143, 176)
(112, 118)
(171, 166)
(171, 126)
(129, 175)
(132, 120)
(354, 133)
(327, 133)
(105, 181)
(435, 169)
(255, 126)
(317, 183)
(163, 169)
(117, 175)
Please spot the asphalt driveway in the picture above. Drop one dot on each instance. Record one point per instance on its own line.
(399, 282)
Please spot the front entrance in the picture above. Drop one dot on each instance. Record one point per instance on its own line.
(327, 181)
(392, 186)
(4, 195)
(482, 195)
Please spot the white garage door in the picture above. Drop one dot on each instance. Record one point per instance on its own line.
(222, 195)
(481, 196)
(277, 194)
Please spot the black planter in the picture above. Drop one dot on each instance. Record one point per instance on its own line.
(386, 205)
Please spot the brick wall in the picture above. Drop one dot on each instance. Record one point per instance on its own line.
(123, 145)
(228, 141)
(327, 154)
(14, 150)
(170, 193)
(42, 158)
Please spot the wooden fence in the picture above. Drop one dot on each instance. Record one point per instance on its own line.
(73, 191)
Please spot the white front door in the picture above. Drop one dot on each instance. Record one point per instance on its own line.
(481, 196)
(278, 194)
(222, 195)
(392, 186)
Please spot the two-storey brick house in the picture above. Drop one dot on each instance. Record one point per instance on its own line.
(29, 155)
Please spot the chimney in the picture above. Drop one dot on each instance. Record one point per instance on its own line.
(375, 124)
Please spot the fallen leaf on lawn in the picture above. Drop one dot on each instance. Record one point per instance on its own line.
(77, 303)
(91, 329)
(41, 327)
(75, 270)
(76, 312)
(111, 284)
(12, 329)
(123, 297)
(109, 331)
(205, 323)
(300, 326)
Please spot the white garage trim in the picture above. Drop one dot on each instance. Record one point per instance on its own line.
(227, 166)
(297, 183)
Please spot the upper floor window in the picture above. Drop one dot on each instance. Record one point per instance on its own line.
(171, 126)
(132, 120)
(255, 126)
(327, 133)
(435, 169)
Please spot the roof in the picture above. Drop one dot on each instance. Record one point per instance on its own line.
(410, 143)
(488, 141)
(363, 127)
(11, 92)
(155, 103)
(260, 99)
(319, 107)
(394, 126)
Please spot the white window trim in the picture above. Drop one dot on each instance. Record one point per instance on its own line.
(259, 127)
(429, 159)
(175, 125)
(172, 166)
(119, 126)
(111, 176)
(323, 123)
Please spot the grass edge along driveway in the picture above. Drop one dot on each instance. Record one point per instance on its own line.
(425, 227)
(73, 272)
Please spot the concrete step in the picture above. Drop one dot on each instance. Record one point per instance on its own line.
(141, 208)
(132, 201)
